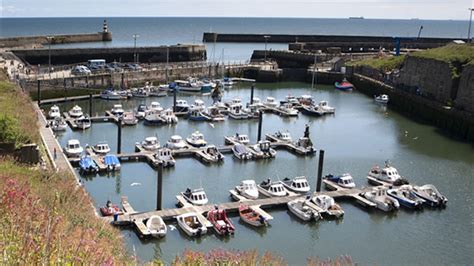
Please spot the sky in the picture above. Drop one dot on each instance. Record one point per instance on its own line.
(390, 9)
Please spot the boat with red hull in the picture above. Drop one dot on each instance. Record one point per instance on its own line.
(220, 222)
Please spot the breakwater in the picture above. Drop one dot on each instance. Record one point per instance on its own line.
(56, 39)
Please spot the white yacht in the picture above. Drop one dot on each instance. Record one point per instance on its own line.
(272, 189)
(150, 144)
(165, 156)
(288, 109)
(381, 99)
(175, 143)
(328, 205)
(248, 189)
(58, 124)
(238, 138)
(199, 105)
(73, 148)
(379, 196)
(142, 109)
(298, 184)
(76, 112)
(83, 122)
(388, 174)
(117, 110)
(129, 119)
(169, 116)
(196, 139)
(271, 102)
(54, 112)
(101, 148)
(299, 208)
(324, 106)
(182, 106)
(263, 149)
(110, 94)
(430, 195)
(156, 106)
(196, 197)
(236, 111)
(242, 152)
(283, 136)
(344, 180)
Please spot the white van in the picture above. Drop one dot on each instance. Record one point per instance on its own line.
(96, 63)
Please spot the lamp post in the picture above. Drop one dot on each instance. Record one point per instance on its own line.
(470, 22)
(266, 40)
(49, 38)
(167, 61)
(314, 70)
(135, 56)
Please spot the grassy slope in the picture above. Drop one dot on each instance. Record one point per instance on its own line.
(382, 64)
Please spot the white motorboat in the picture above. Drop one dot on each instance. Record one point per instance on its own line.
(298, 184)
(236, 111)
(190, 85)
(430, 195)
(155, 106)
(238, 138)
(58, 124)
(383, 98)
(379, 196)
(328, 205)
(211, 154)
(306, 144)
(157, 92)
(196, 139)
(140, 92)
(344, 180)
(263, 150)
(299, 208)
(271, 102)
(306, 100)
(191, 225)
(215, 113)
(196, 114)
(257, 102)
(83, 122)
(388, 174)
(272, 189)
(156, 226)
(142, 109)
(117, 110)
(248, 189)
(73, 148)
(288, 109)
(198, 105)
(129, 119)
(176, 142)
(165, 156)
(54, 112)
(290, 99)
(150, 144)
(182, 106)
(169, 116)
(101, 148)
(324, 106)
(406, 197)
(196, 197)
(283, 136)
(241, 152)
(154, 118)
(76, 112)
(110, 95)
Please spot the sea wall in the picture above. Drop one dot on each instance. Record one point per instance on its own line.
(57, 39)
(292, 74)
(465, 93)
(289, 59)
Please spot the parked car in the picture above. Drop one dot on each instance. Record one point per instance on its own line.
(80, 70)
(133, 67)
(116, 66)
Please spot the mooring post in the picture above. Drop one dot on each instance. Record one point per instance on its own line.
(260, 118)
(119, 136)
(251, 93)
(174, 99)
(122, 85)
(39, 93)
(159, 187)
(90, 104)
(320, 170)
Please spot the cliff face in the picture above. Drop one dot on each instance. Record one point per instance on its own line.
(465, 95)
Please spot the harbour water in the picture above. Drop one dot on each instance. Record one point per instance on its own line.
(360, 135)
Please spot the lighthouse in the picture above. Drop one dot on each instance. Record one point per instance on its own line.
(106, 35)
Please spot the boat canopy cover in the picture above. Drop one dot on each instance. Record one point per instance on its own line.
(111, 159)
(87, 162)
(240, 148)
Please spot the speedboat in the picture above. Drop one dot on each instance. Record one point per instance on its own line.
(263, 150)
(140, 92)
(88, 166)
(142, 109)
(430, 195)
(83, 122)
(328, 205)
(58, 124)
(344, 180)
(324, 106)
(156, 226)
(212, 154)
(299, 208)
(101, 148)
(379, 196)
(306, 100)
(196, 114)
(272, 189)
(110, 209)
(110, 95)
(191, 225)
(150, 144)
(175, 143)
(117, 110)
(215, 113)
(270, 102)
(236, 111)
(251, 217)
(76, 112)
(238, 138)
(129, 119)
(196, 196)
(112, 162)
(169, 116)
(344, 85)
(182, 106)
(165, 156)
(298, 184)
(155, 106)
(388, 174)
(220, 222)
(54, 112)
(196, 139)
(312, 110)
(154, 118)
(406, 197)
(73, 148)
(383, 98)
(288, 109)
(248, 189)
(283, 136)
(241, 152)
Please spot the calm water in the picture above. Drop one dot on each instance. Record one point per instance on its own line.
(158, 31)
(360, 135)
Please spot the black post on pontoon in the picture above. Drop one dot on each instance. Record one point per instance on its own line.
(39, 93)
(90, 104)
(320, 170)
(119, 136)
(260, 118)
(159, 187)
(251, 93)
(174, 99)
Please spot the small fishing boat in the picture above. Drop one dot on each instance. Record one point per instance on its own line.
(263, 150)
(154, 118)
(76, 112)
(238, 138)
(212, 154)
(223, 108)
(236, 111)
(430, 195)
(112, 162)
(344, 85)
(110, 209)
(283, 136)
(142, 109)
(129, 119)
(182, 106)
(328, 205)
(58, 124)
(88, 166)
(198, 105)
(272, 189)
(196, 114)
(312, 110)
(299, 208)
(196, 197)
(157, 92)
(54, 112)
(73, 148)
(165, 156)
(248, 189)
(388, 174)
(287, 109)
(257, 102)
(101, 148)
(155, 106)
(241, 152)
(383, 98)
(306, 100)
(227, 82)
(156, 226)
(220, 222)
(215, 114)
(298, 184)
(83, 122)
(251, 217)
(271, 102)
(110, 94)
(253, 111)
(191, 225)
(344, 180)
(291, 100)
(406, 197)
(207, 86)
(140, 92)
(306, 144)
(169, 116)
(150, 144)
(190, 85)
(117, 110)
(196, 139)
(379, 196)
(175, 143)
(325, 108)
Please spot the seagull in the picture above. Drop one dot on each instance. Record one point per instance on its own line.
(172, 227)
(135, 184)
(212, 125)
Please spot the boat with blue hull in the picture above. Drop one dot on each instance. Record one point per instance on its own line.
(406, 197)
(88, 166)
(198, 115)
(430, 195)
(344, 85)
